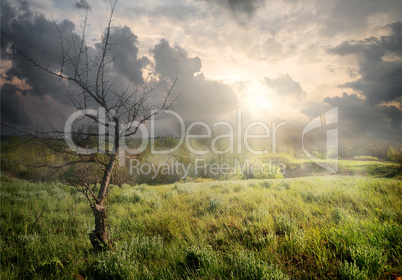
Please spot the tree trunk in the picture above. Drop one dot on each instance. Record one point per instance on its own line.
(99, 237)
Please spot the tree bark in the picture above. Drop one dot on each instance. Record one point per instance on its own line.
(99, 237)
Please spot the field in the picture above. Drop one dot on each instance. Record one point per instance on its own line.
(334, 227)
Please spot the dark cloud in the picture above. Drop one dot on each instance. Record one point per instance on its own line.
(82, 4)
(285, 86)
(12, 110)
(380, 65)
(242, 10)
(393, 43)
(357, 118)
(338, 16)
(125, 52)
(39, 38)
(243, 6)
(174, 61)
(373, 110)
(201, 99)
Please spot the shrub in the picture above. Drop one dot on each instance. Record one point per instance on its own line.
(395, 154)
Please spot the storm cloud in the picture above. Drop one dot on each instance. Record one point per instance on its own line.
(202, 99)
(125, 54)
(12, 110)
(357, 117)
(380, 65)
(330, 53)
(35, 36)
(42, 40)
(373, 108)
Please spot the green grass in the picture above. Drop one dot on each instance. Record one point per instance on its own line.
(306, 228)
(355, 167)
(367, 167)
(365, 158)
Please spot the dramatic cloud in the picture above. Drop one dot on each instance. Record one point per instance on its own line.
(380, 65)
(201, 98)
(285, 86)
(374, 109)
(359, 118)
(125, 52)
(174, 62)
(42, 41)
(37, 37)
(12, 110)
(321, 44)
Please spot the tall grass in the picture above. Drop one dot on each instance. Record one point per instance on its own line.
(306, 228)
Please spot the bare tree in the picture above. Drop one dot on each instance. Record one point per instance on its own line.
(122, 109)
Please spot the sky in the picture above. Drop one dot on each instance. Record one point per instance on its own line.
(278, 60)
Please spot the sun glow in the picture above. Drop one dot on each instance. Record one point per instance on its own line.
(260, 100)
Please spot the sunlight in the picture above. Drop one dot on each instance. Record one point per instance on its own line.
(260, 100)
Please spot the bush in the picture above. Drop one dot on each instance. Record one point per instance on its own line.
(395, 154)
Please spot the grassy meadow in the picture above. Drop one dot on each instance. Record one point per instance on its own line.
(334, 227)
